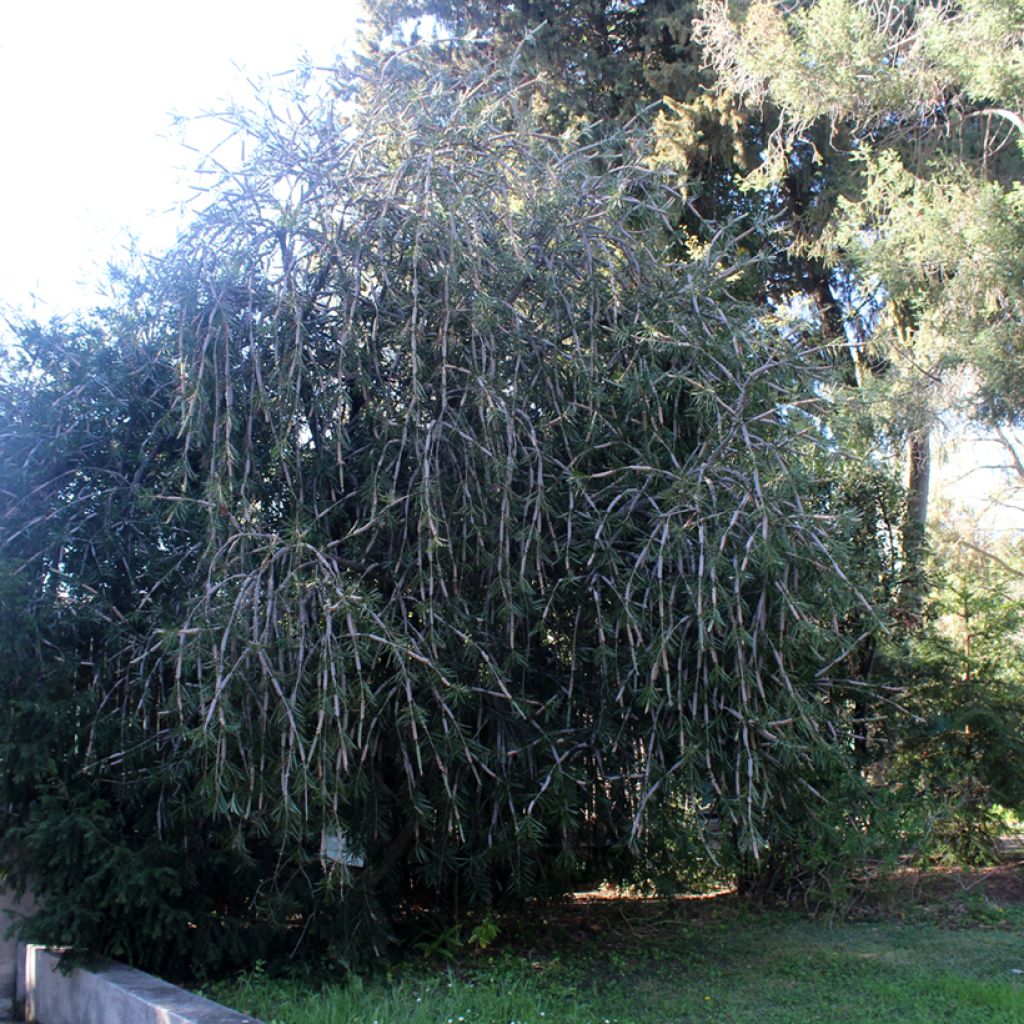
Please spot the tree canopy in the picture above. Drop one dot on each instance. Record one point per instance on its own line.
(417, 527)
(920, 106)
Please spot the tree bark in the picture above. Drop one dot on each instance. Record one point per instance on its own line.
(915, 525)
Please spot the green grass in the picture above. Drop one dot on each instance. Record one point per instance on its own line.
(719, 965)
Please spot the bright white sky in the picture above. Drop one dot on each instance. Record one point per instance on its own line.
(87, 93)
(965, 475)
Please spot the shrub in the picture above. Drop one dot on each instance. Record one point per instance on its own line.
(409, 535)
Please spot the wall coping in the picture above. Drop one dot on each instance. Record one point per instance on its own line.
(110, 993)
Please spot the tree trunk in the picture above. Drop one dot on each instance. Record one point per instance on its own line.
(833, 332)
(915, 525)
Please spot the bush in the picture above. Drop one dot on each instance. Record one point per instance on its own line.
(410, 534)
(955, 749)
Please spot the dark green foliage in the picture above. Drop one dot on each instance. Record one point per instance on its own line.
(604, 64)
(957, 748)
(599, 59)
(93, 782)
(422, 499)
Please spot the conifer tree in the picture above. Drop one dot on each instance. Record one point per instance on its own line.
(409, 533)
(926, 99)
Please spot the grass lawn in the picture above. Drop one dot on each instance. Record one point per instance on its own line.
(956, 958)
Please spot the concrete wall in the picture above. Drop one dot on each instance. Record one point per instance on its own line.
(112, 994)
(10, 908)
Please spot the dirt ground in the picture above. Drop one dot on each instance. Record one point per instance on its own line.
(951, 897)
(1003, 884)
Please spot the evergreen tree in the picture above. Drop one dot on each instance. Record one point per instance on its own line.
(926, 99)
(408, 534)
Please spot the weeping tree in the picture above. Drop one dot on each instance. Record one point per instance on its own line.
(416, 532)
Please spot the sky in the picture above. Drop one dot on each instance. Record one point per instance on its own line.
(967, 475)
(88, 94)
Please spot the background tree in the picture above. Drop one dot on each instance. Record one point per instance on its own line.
(958, 754)
(602, 64)
(924, 99)
(599, 60)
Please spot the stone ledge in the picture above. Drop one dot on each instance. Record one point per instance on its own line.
(109, 994)
(12, 909)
